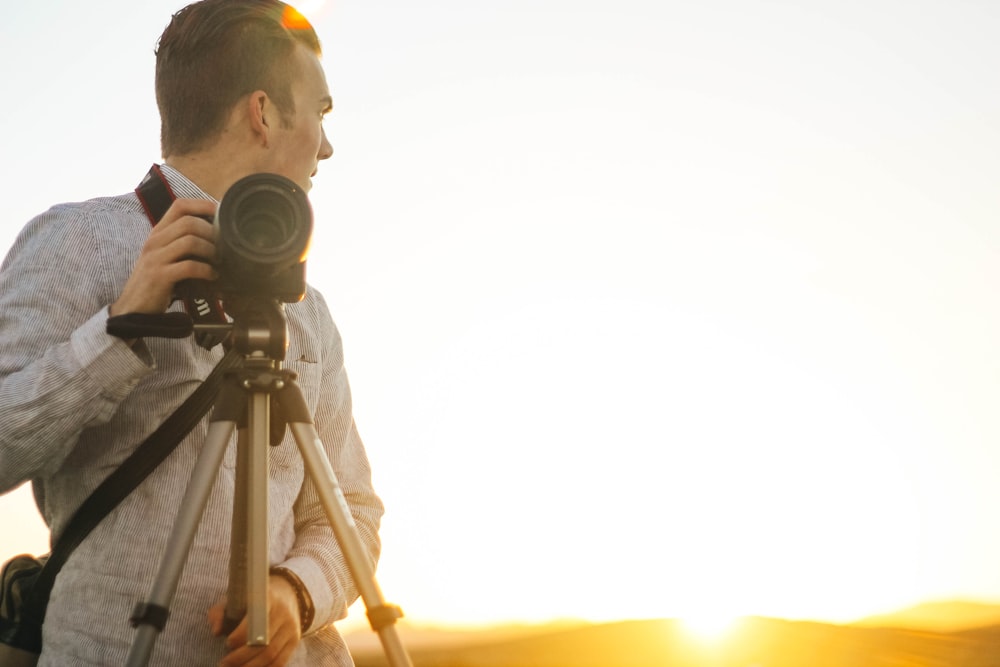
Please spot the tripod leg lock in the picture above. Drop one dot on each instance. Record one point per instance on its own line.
(147, 613)
(382, 616)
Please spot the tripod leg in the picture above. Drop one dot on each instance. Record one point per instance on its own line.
(150, 617)
(258, 421)
(381, 615)
(236, 594)
(248, 558)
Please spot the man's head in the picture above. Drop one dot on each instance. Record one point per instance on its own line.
(215, 53)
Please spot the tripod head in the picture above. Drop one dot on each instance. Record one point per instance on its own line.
(258, 328)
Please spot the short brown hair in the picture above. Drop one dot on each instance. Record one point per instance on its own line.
(214, 52)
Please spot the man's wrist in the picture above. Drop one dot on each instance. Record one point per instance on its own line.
(306, 609)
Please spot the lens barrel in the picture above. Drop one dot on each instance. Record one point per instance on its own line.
(265, 225)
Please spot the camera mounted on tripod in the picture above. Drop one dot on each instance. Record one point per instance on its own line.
(264, 224)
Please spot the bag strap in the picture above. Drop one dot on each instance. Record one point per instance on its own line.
(127, 477)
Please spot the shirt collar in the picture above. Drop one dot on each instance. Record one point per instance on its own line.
(182, 186)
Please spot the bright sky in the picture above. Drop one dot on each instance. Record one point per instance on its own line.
(650, 308)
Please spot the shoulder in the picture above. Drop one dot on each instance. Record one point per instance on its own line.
(124, 205)
(86, 246)
(69, 224)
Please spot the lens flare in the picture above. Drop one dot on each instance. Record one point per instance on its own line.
(292, 19)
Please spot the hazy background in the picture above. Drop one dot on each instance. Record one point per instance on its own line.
(650, 308)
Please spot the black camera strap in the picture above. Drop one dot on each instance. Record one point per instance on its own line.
(156, 196)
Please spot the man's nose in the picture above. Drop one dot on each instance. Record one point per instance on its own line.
(325, 148)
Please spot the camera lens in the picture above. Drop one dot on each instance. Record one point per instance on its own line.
(265, 224)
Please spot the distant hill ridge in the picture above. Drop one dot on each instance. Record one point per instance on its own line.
(756, 641)
(939, 616)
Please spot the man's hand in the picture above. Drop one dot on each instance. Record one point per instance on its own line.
(284, 626)
(166, 258)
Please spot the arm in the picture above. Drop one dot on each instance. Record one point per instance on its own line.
(60, 372)
(316, 558)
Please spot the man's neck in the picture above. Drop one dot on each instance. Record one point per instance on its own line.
(210, 174)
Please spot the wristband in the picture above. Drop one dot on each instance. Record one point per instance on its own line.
(306, 609)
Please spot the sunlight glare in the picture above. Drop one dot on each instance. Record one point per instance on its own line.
(709, 627)
(303, 9)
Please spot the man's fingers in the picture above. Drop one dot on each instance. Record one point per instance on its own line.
(237, 637)
(180, 208)
(187, 247)
(272, 655)
(186, 227)
(215, 618)
(177, 256)
(278, 651)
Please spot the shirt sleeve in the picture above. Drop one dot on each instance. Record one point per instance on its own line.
(60, 372)
(316, 556)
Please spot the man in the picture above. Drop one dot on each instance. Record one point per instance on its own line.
(241, 91)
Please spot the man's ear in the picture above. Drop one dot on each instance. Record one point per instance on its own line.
(259, 111)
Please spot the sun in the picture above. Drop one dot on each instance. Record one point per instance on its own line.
(709, 627)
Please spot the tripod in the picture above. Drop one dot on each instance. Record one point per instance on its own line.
(259, 334)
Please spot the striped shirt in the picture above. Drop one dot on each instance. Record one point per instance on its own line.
(75, 401)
